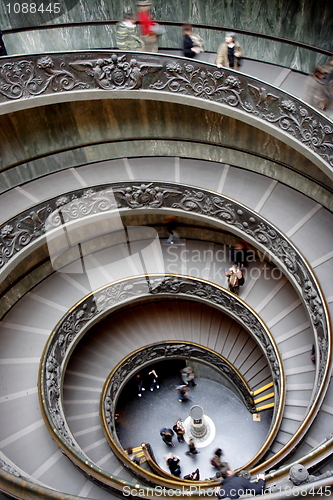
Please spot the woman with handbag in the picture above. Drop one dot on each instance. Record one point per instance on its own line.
(179, 430)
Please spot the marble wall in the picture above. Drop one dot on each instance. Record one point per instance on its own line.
(309, 21)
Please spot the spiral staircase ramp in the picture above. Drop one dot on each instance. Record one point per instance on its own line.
(271, 185)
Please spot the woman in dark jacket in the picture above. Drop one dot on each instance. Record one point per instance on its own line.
(173, 464)
(189, 48)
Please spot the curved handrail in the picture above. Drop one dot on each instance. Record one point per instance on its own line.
(213, 27)
(58, 77)
(124, 370)
(198, 26)
(99, 304)
(17, 234)
(27, 227)
(221, 210)
(25, 490)
(228, 211)
(180, 286)
(148, 454)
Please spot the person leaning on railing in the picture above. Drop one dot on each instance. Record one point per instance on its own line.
(230, 53)
(127, 38)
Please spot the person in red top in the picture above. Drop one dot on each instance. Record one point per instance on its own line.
(147, 25)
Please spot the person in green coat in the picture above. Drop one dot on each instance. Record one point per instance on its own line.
(127, 38)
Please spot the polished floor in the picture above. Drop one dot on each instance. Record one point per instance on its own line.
(236, 432)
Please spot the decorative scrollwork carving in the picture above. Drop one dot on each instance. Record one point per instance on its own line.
(73, 207)
(19, 232)
(116, 72)
(17, 235)
(145, 195)
(103, 301)
(66, 334)
(35, 75)
(301, 123)
(112, 295)
(25, 78)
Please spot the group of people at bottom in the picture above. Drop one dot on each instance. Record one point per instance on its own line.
(173, 460)
(233, 484)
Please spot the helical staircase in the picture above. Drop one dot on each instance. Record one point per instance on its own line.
(98, 148)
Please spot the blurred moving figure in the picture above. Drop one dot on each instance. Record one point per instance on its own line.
(216, 460)
(149, 29)
(192, 451)
(233, 485)
(3, 51)
(192, 43)
(166, 435)
(127, 38)
(230, 53)
(328, 68)
(183, 394)
(316, 92)
(194, 476)
(179, 430)
(171, 224)
(188, 376)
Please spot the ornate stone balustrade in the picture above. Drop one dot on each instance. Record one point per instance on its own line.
(28, 227)
(185, 350)
(106, 300)
(54, 77)
(153, 353)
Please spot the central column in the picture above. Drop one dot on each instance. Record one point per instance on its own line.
(198, 425)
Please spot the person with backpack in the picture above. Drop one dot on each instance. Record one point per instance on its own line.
(235, 278)
(166, 435)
